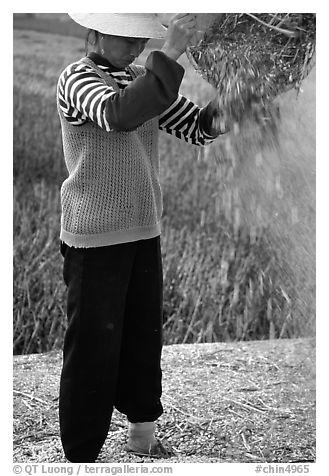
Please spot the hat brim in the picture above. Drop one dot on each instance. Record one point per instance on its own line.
(138, 25)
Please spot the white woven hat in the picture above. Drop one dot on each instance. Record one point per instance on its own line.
(138, 25)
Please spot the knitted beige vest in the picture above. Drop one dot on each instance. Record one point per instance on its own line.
(112, 194)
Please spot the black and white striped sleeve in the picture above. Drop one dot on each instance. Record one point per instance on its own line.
(183, 119)
(82, 95)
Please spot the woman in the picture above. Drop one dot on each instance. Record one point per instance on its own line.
(110, 112)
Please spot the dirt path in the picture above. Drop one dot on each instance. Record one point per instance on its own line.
(235, 402)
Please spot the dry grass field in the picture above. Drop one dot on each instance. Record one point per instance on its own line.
(238, 227)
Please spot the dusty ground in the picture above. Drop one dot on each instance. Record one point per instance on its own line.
(235, 402)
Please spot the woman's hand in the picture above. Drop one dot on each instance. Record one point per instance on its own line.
(181, 29)
(217, 121)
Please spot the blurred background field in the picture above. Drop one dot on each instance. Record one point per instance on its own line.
(239, 222)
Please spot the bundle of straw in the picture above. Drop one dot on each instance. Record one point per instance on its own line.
(251, 58)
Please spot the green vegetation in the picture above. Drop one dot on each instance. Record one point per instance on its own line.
(226, 278)
(56, 23)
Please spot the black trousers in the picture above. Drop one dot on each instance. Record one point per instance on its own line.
(112, 346)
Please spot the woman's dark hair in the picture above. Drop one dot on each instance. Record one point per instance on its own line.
(91, 39)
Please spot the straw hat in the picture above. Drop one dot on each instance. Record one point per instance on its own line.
(138, 25)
